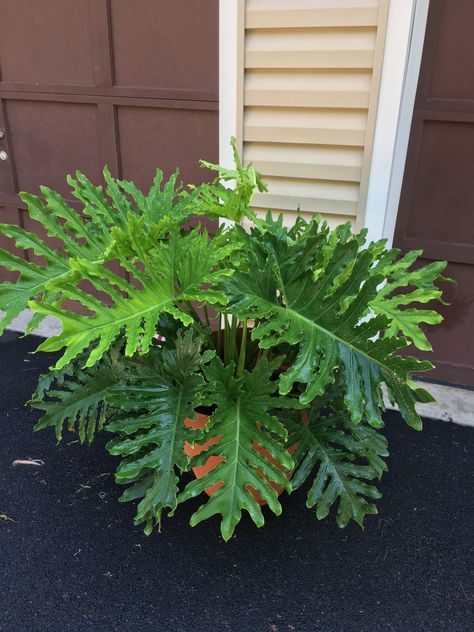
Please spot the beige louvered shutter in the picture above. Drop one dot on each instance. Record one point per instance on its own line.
(309, 92)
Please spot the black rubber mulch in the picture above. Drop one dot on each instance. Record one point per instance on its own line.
(73, 560)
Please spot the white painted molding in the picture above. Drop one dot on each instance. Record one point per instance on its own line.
(405, 117)
(403, 45)
(231, 34)
(230, 48)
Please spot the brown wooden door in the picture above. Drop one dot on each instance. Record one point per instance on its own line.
(437, 203)
(85, 83)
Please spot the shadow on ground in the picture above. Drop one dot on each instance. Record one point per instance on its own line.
(73, 561)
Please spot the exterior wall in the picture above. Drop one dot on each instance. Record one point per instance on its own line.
(306, 89)
(84, 84)
(95, 82)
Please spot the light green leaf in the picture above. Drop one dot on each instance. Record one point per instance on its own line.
(391, 302)
(87, 236)
(32, 281)
(231, 202)
(174, 273)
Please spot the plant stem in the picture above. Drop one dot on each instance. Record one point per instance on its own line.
(243, 350)
(193, 312)
(226, 340)
(206, 315)
(219, 334)
(199, 324)
(233, 338)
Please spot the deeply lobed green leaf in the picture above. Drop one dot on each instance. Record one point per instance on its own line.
(85, 236)
(315, 292)
(75, 397)
(392, 302)
(329, 320)
(343, 456)
(175, 272)
(242, 418)
(153, 399)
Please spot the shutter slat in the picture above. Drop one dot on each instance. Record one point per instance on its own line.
(307, 135)
(317, 59)
(305, 170)
(308, 98)
(317, 18)
(311, 204)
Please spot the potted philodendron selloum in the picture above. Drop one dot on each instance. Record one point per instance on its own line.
(255, 357)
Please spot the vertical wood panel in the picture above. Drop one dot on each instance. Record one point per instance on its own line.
(437, 199)
(8, 179)
(101, 35)
(108, 138)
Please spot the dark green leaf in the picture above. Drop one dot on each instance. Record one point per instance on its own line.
(76, 396)
(241, 419)
(154, 398)
(314, 291)
(342, 457)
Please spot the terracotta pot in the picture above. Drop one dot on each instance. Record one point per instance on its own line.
(212, 462)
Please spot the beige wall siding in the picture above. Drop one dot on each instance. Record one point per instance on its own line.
(310, 81)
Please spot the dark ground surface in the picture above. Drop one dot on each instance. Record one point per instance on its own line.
(72, 559)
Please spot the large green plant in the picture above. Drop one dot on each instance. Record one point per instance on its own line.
(283, 336)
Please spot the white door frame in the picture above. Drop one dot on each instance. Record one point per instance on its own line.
(401, 67)
(231, 51)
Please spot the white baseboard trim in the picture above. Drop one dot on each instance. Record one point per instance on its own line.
(50, 326)
(454, 404)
